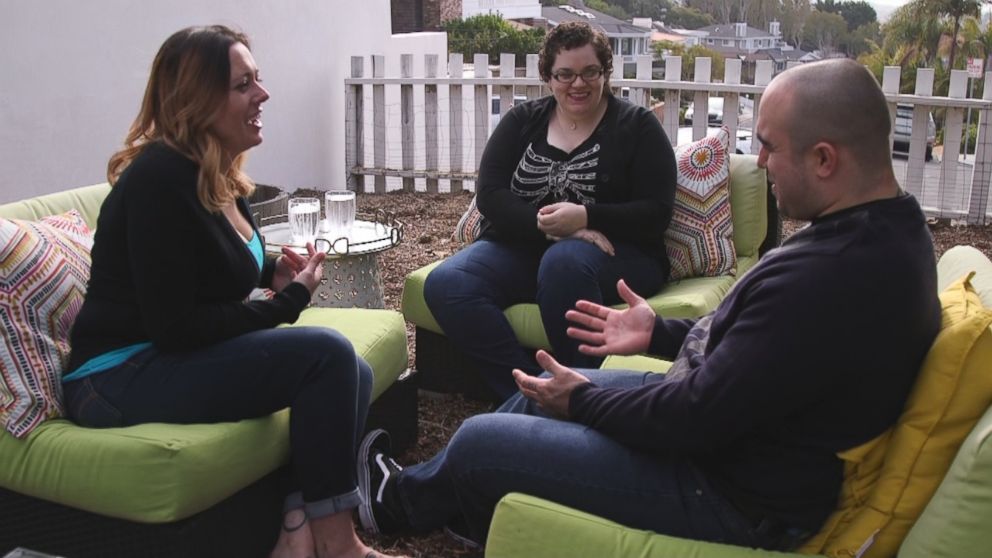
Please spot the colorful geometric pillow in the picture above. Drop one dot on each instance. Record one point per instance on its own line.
(700, 239)
(44, 267)
(470, 224)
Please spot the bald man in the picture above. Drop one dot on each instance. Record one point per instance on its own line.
(813, 352)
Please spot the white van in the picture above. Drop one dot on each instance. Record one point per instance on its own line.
(494, 114)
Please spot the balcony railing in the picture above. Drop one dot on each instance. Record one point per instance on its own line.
(428, 131)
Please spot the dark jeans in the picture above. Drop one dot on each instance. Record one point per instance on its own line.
(519, 449)
(312, 370)
(469, 291)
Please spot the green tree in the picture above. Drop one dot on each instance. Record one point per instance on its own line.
(858, 14)
(953, 10)
(491, 34)
(855, 13)
(718, 65)
(688, 18)
(608, 8)
(860, 40)
(655, 9)
(824, 31)
(793, 16)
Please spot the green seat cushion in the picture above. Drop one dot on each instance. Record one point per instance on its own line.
(637, 363)
(523, 525)
(159, 473)
(378, 335)
(688, 298)
(748, 203)
(955, 522)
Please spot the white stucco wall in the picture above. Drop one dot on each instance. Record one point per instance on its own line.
(509, 9)
(74, 73)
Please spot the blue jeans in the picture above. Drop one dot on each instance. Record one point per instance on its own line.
(469, 291)
(519, 449)
(312, 370)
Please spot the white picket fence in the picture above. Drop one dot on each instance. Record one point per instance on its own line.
(428, 131)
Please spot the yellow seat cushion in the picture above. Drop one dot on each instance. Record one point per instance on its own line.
(889, 480)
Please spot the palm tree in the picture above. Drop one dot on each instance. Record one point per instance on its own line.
(953, 10)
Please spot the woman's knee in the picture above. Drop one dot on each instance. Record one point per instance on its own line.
(571, 260)
(448, 284)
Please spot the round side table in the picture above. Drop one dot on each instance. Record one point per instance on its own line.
(351, 271)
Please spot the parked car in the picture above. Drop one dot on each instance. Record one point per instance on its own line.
(715, 112)
(742, 143)
(494, 114)
(903, 130)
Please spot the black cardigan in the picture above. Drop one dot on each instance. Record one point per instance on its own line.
(635, 185)
(168, 271)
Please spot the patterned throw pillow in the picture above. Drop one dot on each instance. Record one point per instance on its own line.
(44, 266)
(470, 224)
(700, 239)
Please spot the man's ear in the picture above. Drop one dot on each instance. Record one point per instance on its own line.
(825, 159)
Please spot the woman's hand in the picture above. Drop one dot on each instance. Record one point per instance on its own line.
(287, 266)
(292, 267)
(562, 219)
(595, 237)
(608, 331)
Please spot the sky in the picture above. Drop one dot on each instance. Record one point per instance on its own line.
(884, 8)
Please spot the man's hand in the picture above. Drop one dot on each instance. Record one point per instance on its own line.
(607, 331)
(551, 394)
(561, 219)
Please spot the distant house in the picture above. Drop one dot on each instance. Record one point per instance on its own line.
(780, 58)
(739, 38)
(659, 32)
(625, 38)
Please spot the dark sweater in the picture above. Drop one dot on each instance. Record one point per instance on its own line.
(814, 351)
(632, 192)
(168, 271)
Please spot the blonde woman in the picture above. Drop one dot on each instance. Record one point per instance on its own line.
(167, 333)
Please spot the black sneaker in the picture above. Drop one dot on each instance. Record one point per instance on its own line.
(378, 512)
(458, 530)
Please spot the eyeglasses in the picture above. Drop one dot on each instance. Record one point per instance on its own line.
(568, 76)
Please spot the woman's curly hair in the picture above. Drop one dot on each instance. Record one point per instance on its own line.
(575, 34)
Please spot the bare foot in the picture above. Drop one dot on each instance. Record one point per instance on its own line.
(295, 538)
(335, 537)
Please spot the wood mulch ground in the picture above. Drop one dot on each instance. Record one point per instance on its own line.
(429, 220)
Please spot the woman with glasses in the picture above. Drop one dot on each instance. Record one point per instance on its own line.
(576, 190)
(168, 332)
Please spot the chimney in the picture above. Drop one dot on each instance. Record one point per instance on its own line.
(774, 29)
(740, 29)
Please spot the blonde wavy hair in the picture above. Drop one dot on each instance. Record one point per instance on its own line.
(188, 84)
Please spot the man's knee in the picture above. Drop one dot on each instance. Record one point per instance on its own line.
(476, 440)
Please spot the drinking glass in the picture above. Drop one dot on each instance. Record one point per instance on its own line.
(339, 208)
(304, 219)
